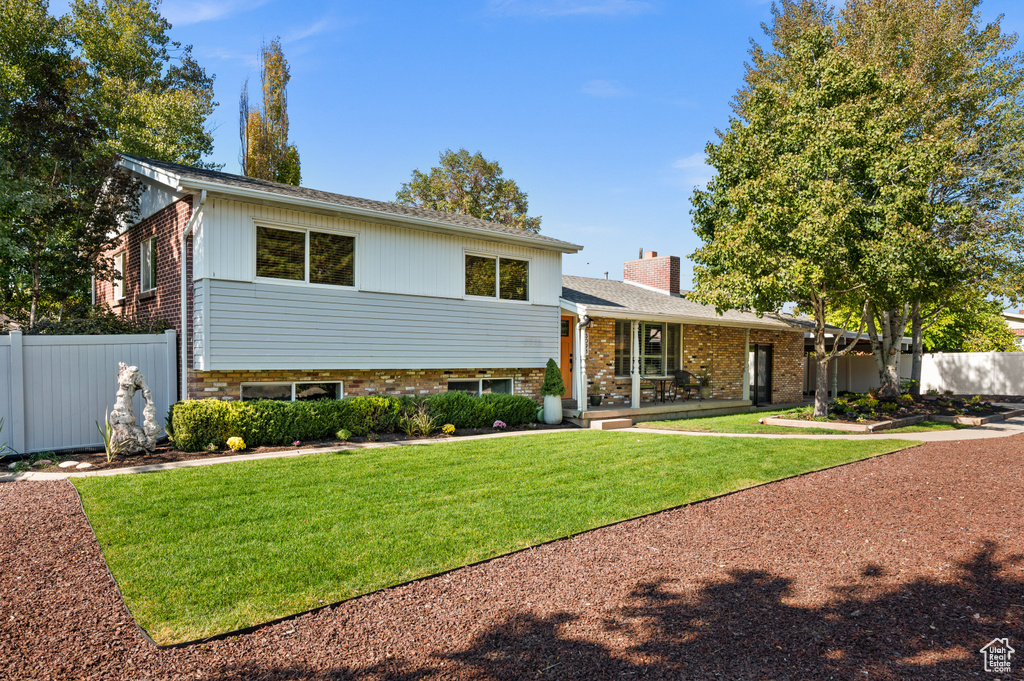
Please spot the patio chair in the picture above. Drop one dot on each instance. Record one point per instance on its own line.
(687, 382)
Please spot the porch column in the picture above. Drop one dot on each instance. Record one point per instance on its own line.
(746, 365)
(635, 373)
(580, 367)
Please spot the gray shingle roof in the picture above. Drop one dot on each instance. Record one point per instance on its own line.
(229, 181)
(619, 298)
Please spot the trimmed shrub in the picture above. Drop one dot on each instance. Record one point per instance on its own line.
(454, 407)
(371, 414)
(200, 423)
(514, 410)
(553, 384)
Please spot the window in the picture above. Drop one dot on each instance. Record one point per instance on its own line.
(282, 254)
(482, 386)
(119, 276)
(659, 348)
(491, 277)
(147, 265)
(293, 392)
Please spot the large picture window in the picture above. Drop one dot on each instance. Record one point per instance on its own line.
(493, 277)
(282, 254)
(659, 348)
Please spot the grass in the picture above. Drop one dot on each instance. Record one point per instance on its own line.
(201, 551)
(747, 423)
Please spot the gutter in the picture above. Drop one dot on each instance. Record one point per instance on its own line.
(189, 226)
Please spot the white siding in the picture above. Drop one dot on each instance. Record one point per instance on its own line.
(266, 326)
(198, 327)
(6, 413)
(388, 259)
(155, 198)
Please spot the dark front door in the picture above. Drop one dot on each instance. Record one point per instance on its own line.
(761, 373)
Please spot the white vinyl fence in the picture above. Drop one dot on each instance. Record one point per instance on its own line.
(965, 373)
(53, 389)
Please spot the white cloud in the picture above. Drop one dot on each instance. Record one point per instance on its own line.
(693, 170)
(559, 8)
(251, 60)
(604, 88)
(322, 25)
(185, 12)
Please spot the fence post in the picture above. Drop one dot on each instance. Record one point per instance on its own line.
(17, 392)
(172, 367)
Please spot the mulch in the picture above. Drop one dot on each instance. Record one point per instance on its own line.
(925, 405)
(166, 452)
(898, 567)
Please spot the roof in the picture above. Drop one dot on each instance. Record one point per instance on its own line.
(184, 177)
(607, 297)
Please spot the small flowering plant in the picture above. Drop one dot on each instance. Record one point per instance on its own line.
(237, 444)
(296, 443)
(448, 429)
(498, 424)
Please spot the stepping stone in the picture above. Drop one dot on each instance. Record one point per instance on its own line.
(12, 465)
(83, 465)
(41, 463)
(68, 464)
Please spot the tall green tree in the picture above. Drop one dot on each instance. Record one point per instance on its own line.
(148, 94)
(818, 186)
(266, 151)
(971, 324)
(59, 197)
(470, 185)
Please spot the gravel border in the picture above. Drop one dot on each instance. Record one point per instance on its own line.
(901, 566)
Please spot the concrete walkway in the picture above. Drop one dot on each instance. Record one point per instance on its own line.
(1007, 428)
(284, 454)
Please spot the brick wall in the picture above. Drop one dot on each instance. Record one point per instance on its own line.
(227, 385)
(164, 302)
(661, 273)
(719, 347)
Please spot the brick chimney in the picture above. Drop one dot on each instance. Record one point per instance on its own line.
(654, 272)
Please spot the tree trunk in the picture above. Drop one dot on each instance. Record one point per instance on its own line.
(917, 345)
(886, 339)
(821, 380)
(35, 295)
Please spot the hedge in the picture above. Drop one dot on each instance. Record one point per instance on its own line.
(201, 424)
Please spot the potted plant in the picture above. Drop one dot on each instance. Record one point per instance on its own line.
(595, 395)
(704, 379)
(552, 390)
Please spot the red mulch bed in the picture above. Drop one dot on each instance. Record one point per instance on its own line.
(166, 453)
(898, 567)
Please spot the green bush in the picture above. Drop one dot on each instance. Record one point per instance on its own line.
(197, 424)
(553, 384)
(200, 423)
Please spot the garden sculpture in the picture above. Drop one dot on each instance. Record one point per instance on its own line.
(122, 419)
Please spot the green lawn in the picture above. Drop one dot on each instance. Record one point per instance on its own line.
(747, 423)
(198, 551)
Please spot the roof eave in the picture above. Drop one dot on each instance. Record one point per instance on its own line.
(181, 184)
(627, 313)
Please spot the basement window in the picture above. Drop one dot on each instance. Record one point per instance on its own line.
(292, 392)
(481, 386)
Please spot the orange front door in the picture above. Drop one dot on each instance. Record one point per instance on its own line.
(566, 362)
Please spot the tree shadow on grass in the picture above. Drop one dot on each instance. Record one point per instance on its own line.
(742, 628)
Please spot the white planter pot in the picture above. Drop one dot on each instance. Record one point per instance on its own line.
(552, 409)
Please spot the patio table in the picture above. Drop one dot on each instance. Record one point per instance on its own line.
(661, 385)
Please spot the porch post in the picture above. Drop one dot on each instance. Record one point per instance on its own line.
(746, 365)
(635, 373)
(580, 368)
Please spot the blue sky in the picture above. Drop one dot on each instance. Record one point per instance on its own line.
(599, 109)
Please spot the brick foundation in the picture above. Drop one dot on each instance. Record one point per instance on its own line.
(719, 347)
(227, 385)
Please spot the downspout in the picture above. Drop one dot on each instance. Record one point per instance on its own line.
(580, 367)
(189, 226)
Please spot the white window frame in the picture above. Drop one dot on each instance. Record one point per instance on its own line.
(480, 383)
(664, 351)
(143, 275)
(249, 384)
(120, 258)
(305, 281)
(497, 276)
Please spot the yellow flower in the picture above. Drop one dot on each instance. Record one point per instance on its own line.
(448, 429)
(236, 443)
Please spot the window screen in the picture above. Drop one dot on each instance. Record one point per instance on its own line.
(672, 347)
(332, 259)
(515, 279)
(623, 342)
(500, 386)
(652, 349)
(316, 391)
(119, 276)
(481, 278)
(281, 392)
(280, 254)
(147, 265)
(471, 387)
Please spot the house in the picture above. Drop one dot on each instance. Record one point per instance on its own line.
(1015, 322)
(646, 326)
(290, 293)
